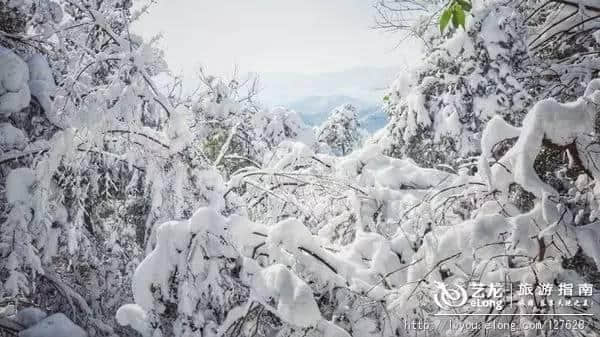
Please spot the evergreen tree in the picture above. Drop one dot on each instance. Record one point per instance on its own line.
(341, 131)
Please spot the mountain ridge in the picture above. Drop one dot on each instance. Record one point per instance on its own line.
(314, 110)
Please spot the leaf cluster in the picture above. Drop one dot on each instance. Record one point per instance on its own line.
(456, 11)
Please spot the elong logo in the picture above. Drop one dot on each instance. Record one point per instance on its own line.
(447, 298)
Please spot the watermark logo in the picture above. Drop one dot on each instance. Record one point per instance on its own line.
(500, 295)
(447, 298)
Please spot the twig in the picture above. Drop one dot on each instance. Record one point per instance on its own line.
(424, 278)
(320, 259)
(10, 325)
(226, 145)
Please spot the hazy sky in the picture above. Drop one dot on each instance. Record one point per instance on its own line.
(298, 36)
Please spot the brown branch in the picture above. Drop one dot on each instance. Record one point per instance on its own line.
(10, 325)
(68, 292)
(542, 246)
(384, 277)
(565, 31)
(572, 148)
(307, 251)
(424, 278)
(22, 155)
(320, 259)
(540, 35)
(575, 4)
(141, 135)
(42, 151)
(537, 10)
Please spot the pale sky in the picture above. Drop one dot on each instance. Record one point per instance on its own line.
(271, 36)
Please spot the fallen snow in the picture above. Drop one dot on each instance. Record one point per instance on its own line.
(11, 138)
(134, 316)
(19, 184)
(560, 123)
(57, 325)
(171, 252)
(30, 316)
(493, 30)
(14, 75)
(279, 124)
(291, 299)
(179, 129)
(41, 81)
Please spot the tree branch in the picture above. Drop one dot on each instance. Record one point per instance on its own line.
(10, 325)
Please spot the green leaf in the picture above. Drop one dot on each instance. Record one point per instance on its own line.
(444, 19)
(458, 16)
(466, 5)
(386, 98)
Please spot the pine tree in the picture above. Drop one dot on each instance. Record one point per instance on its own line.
(341, 131)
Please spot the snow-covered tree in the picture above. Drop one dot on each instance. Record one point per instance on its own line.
(279, 124)
(341, 131)
(438, 110)
(135, 209)
(509, 55)
(65, 184)
(563, 44)
(95, 153)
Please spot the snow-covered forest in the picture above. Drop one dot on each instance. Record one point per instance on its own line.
(130, 206)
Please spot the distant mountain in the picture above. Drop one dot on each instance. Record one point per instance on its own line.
(363, 83)
(313, 96)
(314, 110)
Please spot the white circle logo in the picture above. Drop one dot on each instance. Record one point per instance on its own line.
(447, 298)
